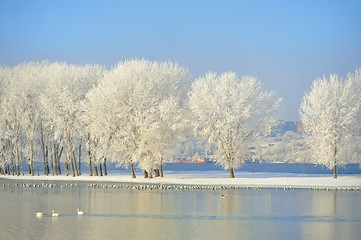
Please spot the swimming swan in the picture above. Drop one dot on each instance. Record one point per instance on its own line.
(80, 212)
(38, 214)
(54, 214)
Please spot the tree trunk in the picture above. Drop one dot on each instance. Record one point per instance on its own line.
(58, 156)
(156, 172)
(55, 150)
(150, 175)
(100, 169)
(72, 164)
(161, 170)
(90, 165)
(76, 168)
(32, 167)
(66, 167)
(335, 164)
(145, 174)
(18, 158)
(96, 169)
(231, 173)
(52, 164)
(43, 149)
(18, 170)
(47, 159)
(89, 155)
(12, 167)
(21, 163)
(105, 167)
(31, 158)
(70, 153)
(58, 165)
(132, 170)
(79, 159)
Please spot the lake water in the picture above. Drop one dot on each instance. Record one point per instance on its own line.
(261, 168)
(175, 214)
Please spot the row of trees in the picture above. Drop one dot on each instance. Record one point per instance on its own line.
(40, 115)
(331, 117)
(137, 114)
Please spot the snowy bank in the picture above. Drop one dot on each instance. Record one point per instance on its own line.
(216, 178)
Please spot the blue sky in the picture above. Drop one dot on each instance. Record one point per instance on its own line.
(286, 44)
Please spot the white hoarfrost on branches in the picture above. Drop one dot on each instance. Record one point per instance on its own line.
(40, 110)
(330, 112)
(20, 107)
(230, 113)
(65, 89)
(140, 113)
(136, 112)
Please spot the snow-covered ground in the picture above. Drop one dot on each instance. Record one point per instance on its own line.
(220, 178)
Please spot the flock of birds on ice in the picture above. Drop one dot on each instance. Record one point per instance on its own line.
(162, 186)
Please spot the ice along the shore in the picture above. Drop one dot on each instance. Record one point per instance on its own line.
(215, 178)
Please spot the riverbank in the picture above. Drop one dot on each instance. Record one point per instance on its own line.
(216, 178)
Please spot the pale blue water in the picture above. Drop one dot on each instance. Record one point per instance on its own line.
(116, 213)
(245, 169)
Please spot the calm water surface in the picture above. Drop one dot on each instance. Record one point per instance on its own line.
(176, 214)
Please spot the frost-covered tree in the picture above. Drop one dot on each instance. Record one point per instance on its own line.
(162, 140)
(329, 112)
(65, 89)
(10, 128)
(26, 87)
(135, 109)
(229, 113)
(20, 107)
(355, 149)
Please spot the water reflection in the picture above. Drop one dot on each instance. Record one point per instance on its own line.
(172, 214)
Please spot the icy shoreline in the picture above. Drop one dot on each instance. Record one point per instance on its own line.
(216, 179)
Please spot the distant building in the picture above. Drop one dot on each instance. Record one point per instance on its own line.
(281, 127)
(299, 127)
(290, 126)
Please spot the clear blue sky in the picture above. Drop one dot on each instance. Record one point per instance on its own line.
(286, 44)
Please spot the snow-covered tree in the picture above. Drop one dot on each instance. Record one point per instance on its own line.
(65, 89)
(230, 113)
(135, 109)
(10, 127)
(20, 107)
(26, 86)
(355, 149)
(329, 112)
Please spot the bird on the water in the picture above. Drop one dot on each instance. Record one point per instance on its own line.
(38, 214)
(54, 214)
(80, 212)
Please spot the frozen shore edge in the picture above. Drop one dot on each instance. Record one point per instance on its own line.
(327, 182)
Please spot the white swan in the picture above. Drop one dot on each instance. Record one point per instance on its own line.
(224, 196)
(54, 214)
(38, 214)
(80, 212)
